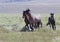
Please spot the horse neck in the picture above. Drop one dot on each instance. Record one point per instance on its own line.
(26, 19)
(52, 17)
(30, 15)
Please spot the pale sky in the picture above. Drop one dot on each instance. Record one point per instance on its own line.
(37, 1)
(13, 6)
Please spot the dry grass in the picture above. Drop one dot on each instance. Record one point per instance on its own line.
(44, 34)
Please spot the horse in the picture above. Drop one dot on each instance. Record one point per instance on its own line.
(51, 22)
(26, 21)
(37, 20)
(33, 20)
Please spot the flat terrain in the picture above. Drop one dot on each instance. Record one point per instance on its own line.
(11, 24)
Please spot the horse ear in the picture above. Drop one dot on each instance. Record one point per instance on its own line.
(28, 10)
(51, 13)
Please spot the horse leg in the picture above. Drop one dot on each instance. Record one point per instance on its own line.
(27, 26)
(35, 25)
(31, 27)
(50, 25)
(53, 27)
(41, 24)
(38, 24)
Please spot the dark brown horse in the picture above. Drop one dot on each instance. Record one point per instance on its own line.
(33, 20)
(26, 21)
(30, 20)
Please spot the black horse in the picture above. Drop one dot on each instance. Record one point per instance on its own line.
(51, 21)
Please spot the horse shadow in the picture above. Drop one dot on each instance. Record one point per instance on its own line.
(25, 29)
